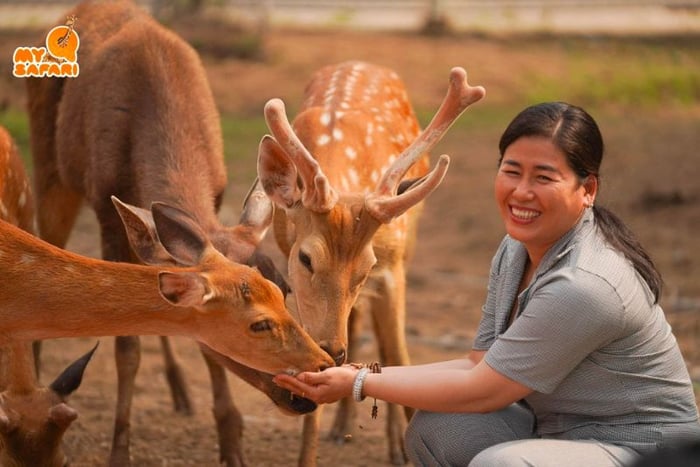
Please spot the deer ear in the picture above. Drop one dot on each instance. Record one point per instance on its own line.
(277, 173)
(69, 380)
(141, 232)
(179, 233)
(258, 210)
(62, 415)
(187, 289)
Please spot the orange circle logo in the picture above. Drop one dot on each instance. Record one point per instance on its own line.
(62, 42)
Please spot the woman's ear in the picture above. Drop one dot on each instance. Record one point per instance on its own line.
(590, 185)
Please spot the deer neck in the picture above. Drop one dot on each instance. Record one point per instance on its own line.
(54, 293)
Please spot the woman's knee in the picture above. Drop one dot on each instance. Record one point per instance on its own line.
(455, 438)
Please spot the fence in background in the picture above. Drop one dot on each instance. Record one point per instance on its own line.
(613, 16)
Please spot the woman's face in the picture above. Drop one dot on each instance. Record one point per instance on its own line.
(539, 196)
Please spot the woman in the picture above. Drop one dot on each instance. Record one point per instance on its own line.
(573, 362)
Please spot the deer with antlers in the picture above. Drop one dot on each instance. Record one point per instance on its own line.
(350, 175)
(139, 122)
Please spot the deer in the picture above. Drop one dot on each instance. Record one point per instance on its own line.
(139, 122)
(230, 308)
(33, 418)
(347, 217)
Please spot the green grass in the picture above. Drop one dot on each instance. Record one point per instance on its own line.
(17, 123)
(622, 73)
(242, 135)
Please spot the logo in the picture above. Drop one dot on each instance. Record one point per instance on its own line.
(58, 59)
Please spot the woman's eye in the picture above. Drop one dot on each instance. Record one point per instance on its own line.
(544, 178)
(261, 326)
(306, 261)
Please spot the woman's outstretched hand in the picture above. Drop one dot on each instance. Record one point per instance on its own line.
(322, 387)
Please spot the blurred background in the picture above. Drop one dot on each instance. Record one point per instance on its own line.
(634, 65)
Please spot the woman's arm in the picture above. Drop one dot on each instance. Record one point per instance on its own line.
(453, 386)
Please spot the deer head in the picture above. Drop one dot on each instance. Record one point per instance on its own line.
(33, 419)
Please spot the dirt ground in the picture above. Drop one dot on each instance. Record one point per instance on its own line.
(650, 178)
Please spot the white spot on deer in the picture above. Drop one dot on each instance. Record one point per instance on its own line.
(368, 135)
(325, 118)
(337, 134)
(354, 176)
(344, 105)
(374, 176)
(22, 199)
(323, 140)
(350, 153)
(344, 185)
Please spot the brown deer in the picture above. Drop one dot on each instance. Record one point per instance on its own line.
(33, 418)
(337, 176)
(49, 292)
(139, 122)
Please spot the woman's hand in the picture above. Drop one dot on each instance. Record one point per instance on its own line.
(322, 387)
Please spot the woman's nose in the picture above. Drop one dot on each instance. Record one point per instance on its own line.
(523, 190)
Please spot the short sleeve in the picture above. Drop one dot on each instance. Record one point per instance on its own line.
(565, 319)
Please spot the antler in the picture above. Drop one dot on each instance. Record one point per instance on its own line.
(383, 203)
(318, 195)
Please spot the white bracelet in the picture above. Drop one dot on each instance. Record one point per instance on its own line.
(358, 383)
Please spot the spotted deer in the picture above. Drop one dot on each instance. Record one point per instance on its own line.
(33, 418)
(139, 122)
(350, 176)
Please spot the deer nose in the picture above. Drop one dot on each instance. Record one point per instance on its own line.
(337, 353)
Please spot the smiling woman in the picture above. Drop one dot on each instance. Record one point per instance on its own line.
(573, 357)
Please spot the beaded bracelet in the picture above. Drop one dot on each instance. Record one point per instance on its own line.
(359, 382)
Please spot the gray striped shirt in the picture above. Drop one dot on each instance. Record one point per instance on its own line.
(589, 340)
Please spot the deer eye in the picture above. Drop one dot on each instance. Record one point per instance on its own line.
(306, 261)
(261, 326)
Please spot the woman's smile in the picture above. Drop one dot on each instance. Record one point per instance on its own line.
(524, 215)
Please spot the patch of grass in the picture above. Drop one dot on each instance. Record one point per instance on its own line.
(242, 134)
(17, 123)
(621, 73)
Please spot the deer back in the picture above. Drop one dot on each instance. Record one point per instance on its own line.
(140, 123)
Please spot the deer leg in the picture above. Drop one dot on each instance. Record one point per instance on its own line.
(229, 422)
(57, 209)
(127, 349)
(309, 439)
(388, 318)
(128, 358)
(176, 379)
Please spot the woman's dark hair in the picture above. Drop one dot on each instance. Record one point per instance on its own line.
(576, 134)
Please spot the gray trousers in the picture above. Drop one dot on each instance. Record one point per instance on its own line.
(503, 438)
